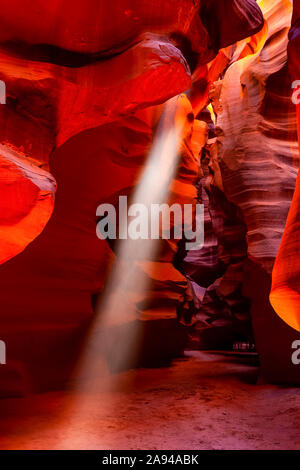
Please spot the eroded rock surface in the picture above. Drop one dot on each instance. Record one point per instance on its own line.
(27, 196)
(85, 91)
(285, 294)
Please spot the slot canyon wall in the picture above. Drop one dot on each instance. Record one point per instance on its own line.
(259, 160)
(85, 94)
(285, 286)
(254, 175)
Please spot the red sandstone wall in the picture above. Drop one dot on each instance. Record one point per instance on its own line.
(286, 286)
(85, 85)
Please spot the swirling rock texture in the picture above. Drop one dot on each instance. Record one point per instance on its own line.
(222, 312)
(27, 200)
(285, 286)
(259, 159)
(284, 295)
(85, 89)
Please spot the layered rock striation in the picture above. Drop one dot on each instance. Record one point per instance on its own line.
(86, 84)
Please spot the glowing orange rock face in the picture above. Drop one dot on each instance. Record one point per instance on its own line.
(85, 84)
(62, 101)
(285, 293)
(142, 76)
(257, 137)
(26, 202)
(259, 161)
(48, 104)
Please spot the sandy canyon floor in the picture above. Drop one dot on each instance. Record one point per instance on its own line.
(202, 401)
